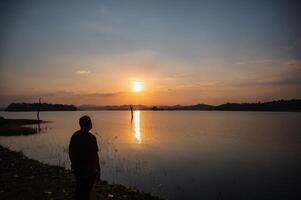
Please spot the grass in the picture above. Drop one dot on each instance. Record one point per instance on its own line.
(24, 178)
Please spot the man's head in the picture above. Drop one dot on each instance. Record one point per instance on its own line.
(85, 123)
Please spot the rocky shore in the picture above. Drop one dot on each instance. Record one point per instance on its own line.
(24, 178)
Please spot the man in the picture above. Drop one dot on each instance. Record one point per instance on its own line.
(83, 150)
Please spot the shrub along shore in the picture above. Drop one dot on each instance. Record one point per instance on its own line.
(14, 127)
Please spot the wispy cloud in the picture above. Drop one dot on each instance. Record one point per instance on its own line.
(60, 97)
(83, 72)
(290, 75)
(291, 62)
(263, 61)
(256, 61)
(101, 95)
(241, 63)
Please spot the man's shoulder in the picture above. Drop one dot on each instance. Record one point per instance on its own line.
(93, 141)
(92, 136)
(75, 133)
(79, 133)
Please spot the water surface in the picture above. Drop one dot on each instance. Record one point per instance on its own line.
(181, 154)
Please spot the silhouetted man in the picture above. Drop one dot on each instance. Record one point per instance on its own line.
(84, 159)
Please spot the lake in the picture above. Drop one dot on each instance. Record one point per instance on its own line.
(181, 154)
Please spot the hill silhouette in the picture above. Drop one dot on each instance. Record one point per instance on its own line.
(280, 105)
(39, 107)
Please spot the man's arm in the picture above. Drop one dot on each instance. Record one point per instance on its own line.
(97, 167)
(96, 160)
(71, 153)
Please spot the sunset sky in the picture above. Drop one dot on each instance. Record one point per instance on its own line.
(183, 52)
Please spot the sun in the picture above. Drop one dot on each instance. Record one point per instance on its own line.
(137, 86)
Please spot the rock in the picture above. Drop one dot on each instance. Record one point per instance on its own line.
(47, 192)
(110, 195)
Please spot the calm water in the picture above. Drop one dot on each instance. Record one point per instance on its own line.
(181, 154)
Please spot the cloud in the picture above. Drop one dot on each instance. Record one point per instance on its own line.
(241, 63)
(106, 22)
(256, 61)
(82, 72)
(263, 61)
(60, 97)
(83, 95)
(291, 62)
(101, 95)
(170, 77)
(289, 76)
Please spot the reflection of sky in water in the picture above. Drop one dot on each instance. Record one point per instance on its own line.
(184, 154)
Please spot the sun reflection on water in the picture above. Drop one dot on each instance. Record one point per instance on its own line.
(137, 129)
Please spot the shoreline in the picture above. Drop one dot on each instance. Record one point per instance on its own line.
(25, 178)
(162, 110)
(15, 127)
(289, 105)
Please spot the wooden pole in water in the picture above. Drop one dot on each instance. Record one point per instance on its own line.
(132, 115)
(38, 114)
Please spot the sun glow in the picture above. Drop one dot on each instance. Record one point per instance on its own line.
(137, 86)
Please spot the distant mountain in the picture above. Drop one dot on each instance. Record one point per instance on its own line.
(281, 105)
(14, 107)
(143, 107)
(121, 107)
(189, 107)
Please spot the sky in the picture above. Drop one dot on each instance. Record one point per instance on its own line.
(184, 52)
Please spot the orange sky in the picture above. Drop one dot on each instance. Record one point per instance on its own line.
(90, 53)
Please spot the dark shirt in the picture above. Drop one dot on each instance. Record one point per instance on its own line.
(83, 150)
